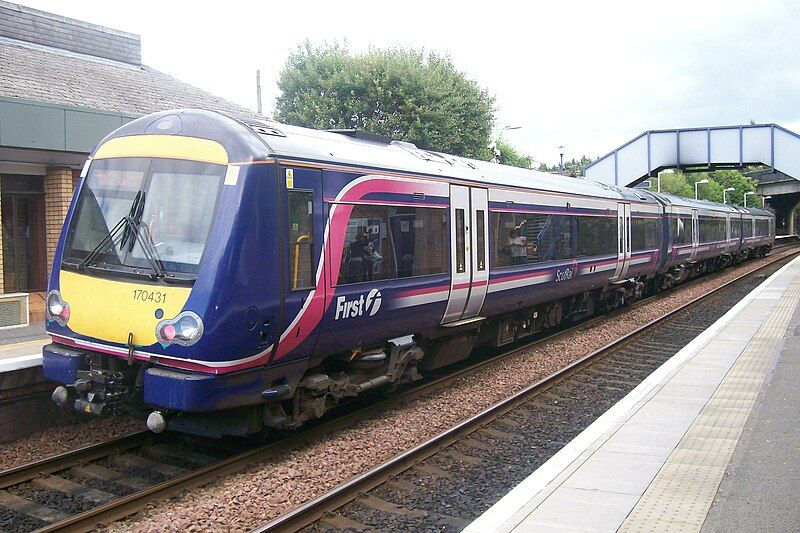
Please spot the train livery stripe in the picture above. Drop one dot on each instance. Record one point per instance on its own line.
(410, 298)
(320, 298)
(213, 367)
(166, 146)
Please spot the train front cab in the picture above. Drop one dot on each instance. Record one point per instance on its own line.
(158, 296)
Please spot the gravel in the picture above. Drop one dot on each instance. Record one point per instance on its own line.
(253, 497)
(52, 441)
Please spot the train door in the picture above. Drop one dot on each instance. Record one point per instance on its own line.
(623, 240)
(300, 219)
(727, 231)
(695, 234)
(469, 256)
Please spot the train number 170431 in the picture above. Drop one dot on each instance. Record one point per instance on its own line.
(150, 296)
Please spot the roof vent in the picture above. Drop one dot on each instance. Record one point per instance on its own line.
(263, 128)
(405, 144)
(363, 135)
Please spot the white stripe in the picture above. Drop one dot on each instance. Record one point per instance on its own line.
(517, 283)
(418, 299)
(148, 355)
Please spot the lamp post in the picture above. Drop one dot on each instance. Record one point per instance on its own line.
(746, 195)
(493, 147)
(561, 153)
(764, 200)
(696, 183)
(724, 201)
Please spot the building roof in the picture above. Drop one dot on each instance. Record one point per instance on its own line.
(34, 72)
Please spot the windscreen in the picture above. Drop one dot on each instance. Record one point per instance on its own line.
(132, 208)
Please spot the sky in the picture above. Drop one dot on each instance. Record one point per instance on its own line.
(587, 76)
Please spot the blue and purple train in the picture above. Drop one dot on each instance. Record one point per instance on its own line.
(224, 277)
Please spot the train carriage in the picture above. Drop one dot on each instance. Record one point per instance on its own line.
(225, 276)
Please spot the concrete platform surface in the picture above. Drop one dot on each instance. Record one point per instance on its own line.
(705, 427)
(21, 354)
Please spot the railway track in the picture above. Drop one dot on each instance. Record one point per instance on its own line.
(108, 481)
(445, 483)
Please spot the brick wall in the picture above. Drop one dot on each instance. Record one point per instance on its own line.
(58, 194)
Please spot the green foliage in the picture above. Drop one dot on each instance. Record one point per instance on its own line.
(682, 184)
(573, 166)
(406, 95)
(510, 156)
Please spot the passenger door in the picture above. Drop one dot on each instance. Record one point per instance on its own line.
(469, 253)
(695, 234)
(623, 240)
(301, 215)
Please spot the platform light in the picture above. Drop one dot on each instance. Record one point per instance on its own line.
(724, 201)
(696, 183)
(746, 195)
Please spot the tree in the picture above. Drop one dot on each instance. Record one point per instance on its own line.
(673, 183)
(510, 156)
(683, 184)
(406, 95)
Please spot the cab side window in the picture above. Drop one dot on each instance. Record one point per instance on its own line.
(301, 239)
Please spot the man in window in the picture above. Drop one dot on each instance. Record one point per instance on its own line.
(518, 244)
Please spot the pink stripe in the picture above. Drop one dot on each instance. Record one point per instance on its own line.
(176, 363)
(391, 202)
(428, 290)
(519, 276)
(324, 291)
(458, 286)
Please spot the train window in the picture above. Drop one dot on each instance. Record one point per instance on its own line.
(682, 230)
(712, 229)
(525, 238)
(387, 242)
(736, 228)
(596, 236)
(480, 239)
(762, 227)
(644, 234)
(301, 239)
(460, 254)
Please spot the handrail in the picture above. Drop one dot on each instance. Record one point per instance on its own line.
(297, 258)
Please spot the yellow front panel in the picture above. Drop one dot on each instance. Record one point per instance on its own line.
(109, 310)
(167, 146)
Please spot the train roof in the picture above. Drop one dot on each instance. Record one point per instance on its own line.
(681, 201)
(372, 151)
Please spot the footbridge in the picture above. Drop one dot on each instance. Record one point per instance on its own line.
(707, 149)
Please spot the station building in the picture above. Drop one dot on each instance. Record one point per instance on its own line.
(64, 85)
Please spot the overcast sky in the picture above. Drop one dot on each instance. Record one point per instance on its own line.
(586, 75)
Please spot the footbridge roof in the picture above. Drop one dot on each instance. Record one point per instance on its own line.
(699, 148)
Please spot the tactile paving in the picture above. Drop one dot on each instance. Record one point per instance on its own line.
(680, 496)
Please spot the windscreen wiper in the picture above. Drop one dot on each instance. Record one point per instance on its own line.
(125, 224)
(103, 244)
(149, 250)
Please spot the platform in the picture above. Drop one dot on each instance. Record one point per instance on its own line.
(717, 423)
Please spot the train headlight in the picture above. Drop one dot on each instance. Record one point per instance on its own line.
(57, 310)
(185, 329)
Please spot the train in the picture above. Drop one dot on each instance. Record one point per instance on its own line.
(220, 276)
